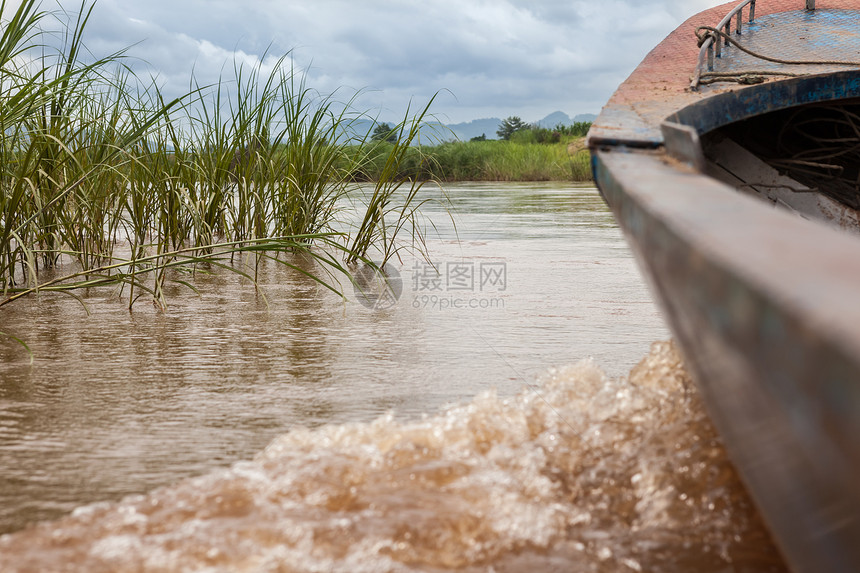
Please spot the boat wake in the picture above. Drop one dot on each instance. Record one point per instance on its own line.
(577, 473)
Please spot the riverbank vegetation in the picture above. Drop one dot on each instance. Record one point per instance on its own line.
(488, 160)
(106, 182)
(524, 153)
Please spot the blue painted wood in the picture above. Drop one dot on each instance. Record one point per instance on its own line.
(764, 304)
(724, 108)
(761, 304)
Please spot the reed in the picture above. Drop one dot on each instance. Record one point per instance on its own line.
(392, 206)
(105, 179)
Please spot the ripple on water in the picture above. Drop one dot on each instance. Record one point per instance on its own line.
(578, 473)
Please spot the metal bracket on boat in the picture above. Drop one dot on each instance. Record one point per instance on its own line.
(682, 143)
(711, 44)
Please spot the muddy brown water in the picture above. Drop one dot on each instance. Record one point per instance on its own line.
(491, 418)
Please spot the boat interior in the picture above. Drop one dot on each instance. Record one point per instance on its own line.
(803, 159)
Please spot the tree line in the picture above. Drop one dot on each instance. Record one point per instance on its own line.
(515, 128)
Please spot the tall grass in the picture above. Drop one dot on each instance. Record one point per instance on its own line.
(393, 203)
(101, 172)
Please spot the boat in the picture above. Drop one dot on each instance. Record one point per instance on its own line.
(731, 160)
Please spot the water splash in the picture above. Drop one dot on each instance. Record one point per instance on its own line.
(579, 473)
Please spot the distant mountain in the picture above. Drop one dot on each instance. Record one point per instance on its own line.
(465, 131)
(561, 118)
(489, 126)
(554, 119)
(476, 128)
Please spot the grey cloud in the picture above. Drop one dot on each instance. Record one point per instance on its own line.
(496, 57)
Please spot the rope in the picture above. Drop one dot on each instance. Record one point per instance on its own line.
(777, 186)
(747, 77)
(820, 147)
(703, 33)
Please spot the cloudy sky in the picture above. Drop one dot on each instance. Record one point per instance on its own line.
(488, 58)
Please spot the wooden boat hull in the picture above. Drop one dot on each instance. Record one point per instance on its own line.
(764, 304)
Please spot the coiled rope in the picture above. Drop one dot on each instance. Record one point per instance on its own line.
(704, 33)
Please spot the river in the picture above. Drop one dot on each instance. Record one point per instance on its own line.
(492, 417)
